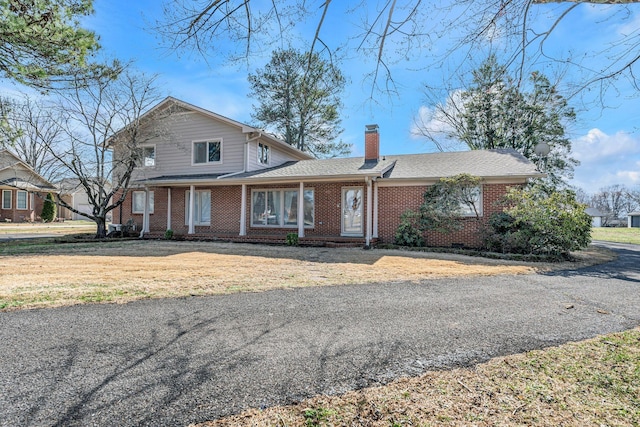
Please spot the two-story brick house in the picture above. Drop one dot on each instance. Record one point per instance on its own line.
(213, 177)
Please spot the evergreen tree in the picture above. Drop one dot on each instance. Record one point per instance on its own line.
(298, 98)
(48, 209)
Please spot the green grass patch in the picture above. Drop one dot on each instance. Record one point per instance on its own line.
(616, 235)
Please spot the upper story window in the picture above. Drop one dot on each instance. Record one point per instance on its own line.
(21, 200)
(263, 154)
(149, 156)
(6, 199)
(207, 152)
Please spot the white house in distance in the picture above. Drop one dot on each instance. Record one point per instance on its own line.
(72, 192)
(633, 219)
(596, 216)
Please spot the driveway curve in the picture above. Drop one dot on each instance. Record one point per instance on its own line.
(177, 361)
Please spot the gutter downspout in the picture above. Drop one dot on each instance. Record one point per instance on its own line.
(245, 159)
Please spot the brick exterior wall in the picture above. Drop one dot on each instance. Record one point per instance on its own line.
(371, 145)
(32, 213)
(393, 201)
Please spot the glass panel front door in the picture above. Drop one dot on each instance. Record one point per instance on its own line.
(352, 203)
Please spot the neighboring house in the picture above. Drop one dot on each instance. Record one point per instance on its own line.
(217, 178)
(596, 216)
(22, 190)
(633, 219)
(72, 192)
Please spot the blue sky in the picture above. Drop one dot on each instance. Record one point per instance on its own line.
(606, 141)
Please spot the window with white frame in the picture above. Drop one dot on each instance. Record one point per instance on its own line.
(149, 156)
(21, 200)
(279, 208)
(263, 153)
(207, 152)
(202, 209)
(138, 200)
(471, 201)
(6, 199)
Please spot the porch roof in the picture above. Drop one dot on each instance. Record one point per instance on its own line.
(501, 163)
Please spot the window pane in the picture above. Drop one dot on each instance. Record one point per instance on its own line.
(273, 208)
(214, 151)
(138, 201)
(6, 199)
(309, 204)
(22, 200)
(204, 207)
(149, 156)
(263, 154)
(200, 152)
(258, 214)
(290, 208)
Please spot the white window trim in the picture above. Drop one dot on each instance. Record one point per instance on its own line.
(10, 199)
(186, 209)
(26, 200)
(207, 163)
(479, 206)
(155, 156)
(151, 206)
(282, 225)
(259, 154)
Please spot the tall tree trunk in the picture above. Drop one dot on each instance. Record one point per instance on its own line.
(101, 231)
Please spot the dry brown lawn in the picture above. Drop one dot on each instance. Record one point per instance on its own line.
(121, 271)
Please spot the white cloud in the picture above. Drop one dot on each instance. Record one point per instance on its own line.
(606, 160)
(433, 121)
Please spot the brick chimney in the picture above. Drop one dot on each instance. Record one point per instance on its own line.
(371, 144)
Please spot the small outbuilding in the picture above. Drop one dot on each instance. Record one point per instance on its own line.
(633, 219)
(596, 216)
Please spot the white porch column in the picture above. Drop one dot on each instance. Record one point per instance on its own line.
(369, 212)
(301, 210)
(192, 207)
(375, 209)
(243, 211)
(145, 216)
(168, 208)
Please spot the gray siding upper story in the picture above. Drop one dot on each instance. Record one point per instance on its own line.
(174, 151)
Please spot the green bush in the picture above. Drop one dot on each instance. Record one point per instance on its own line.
(48, 209)
(408, 232)
(536, 222)
(168, 235)
(292, 239)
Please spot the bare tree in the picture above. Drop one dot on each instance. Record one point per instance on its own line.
(31, 131)
(613, 202)
(96, 115)
(392, 31)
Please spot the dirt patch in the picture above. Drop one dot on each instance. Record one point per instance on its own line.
(123, 271)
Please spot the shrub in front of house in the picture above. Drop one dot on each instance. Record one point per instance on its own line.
(536, 222)
(48, 209)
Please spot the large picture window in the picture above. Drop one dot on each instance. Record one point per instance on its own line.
(138, 200)
(279, 208)
(207, 152)
(6, 199)
(21, 200)
(202, 211)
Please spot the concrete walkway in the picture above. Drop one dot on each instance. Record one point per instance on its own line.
(177, 361)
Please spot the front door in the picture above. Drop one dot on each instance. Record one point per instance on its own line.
(352, 202)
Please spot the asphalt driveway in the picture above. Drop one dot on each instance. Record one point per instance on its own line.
(176, 361)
